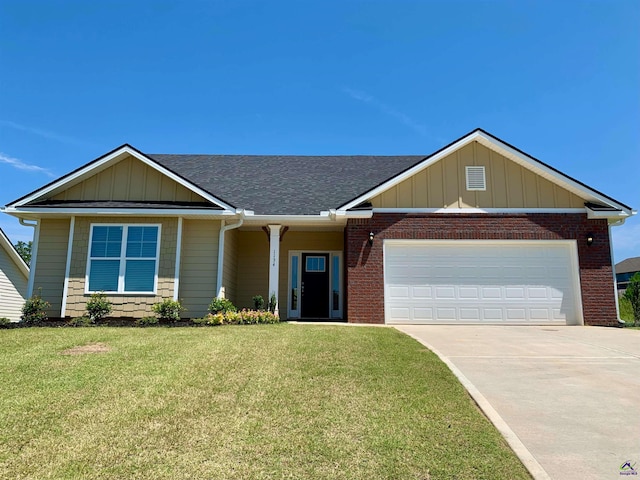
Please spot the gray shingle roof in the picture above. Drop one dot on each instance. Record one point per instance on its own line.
(286, 185)
(629, 265)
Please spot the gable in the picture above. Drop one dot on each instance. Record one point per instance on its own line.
(127, 180)
(508, 185)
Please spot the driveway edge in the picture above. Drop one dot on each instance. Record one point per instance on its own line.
(525, 456)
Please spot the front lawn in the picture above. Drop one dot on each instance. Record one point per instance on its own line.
(276, 401)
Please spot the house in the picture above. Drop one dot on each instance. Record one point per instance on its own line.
(477, 232)
(624, 271)
(14, 276)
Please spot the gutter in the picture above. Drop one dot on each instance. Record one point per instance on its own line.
(223, 230)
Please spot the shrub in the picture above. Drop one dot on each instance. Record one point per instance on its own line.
(221, 305)
(168, 310)
(97, 307)
(243, 317)
(34, 310)
(626, 311)
(632, 293)
(258, 302)
(4, 322)
(272, 303)
(146, 321)
(83, 321)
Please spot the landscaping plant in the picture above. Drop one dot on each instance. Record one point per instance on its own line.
(34, 310)
(168, 310)
(221, 305)
(98, 307)
(632, 294)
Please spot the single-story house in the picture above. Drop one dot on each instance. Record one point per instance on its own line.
(477, 232)
(625, 270)
(14, 277)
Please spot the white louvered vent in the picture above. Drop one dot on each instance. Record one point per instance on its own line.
(476, 178)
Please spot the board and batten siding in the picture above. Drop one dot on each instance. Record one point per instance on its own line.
(128, 180)
(51, 262)
(509, 185)
(13, 287)
(124, 305)
(230, 265)
(199, 265)
(253, 262)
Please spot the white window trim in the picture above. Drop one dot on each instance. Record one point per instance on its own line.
(296, 314)
(319, 270)
(122, 258)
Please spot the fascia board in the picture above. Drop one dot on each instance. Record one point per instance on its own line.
(13, 254)
(103, 163)
(45, 211)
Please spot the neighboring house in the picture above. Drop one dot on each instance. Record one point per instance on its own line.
(14, 276)
(477, 232)
(625, 270)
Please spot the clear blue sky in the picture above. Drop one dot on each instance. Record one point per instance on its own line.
(558, 79)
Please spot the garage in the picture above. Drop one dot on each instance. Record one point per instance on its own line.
(481, 282)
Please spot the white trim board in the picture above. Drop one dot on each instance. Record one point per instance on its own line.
(500, 147)
(104, 162)
(13, 254)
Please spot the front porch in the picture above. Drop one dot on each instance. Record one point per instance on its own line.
(303, 267)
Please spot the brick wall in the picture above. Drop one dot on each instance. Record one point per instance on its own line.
(364, 263)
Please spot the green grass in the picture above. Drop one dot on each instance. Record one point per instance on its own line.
(278, 401)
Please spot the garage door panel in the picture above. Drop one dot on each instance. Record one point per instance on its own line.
(479, 283)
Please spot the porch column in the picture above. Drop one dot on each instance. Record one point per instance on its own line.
(274, 262)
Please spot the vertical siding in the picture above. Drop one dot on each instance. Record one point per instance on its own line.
(129, 179)
(51, 262)
(509, 185)
(13, 287)
(230, 266)
(199, 265)
(123, 305)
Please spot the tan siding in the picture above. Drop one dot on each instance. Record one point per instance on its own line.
(443, 185)
(13, 287)
(253, 267)
(199, 265)
(51, 262)
(230, 266)
(123, 305)
(129, 179)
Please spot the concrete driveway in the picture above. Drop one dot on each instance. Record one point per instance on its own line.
(570, 396)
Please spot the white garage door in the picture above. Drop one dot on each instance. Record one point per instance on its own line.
(506, 282)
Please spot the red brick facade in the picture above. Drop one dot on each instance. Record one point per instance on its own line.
(364, 263)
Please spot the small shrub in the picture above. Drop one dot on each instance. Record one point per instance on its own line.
(632, 294)
(146, 321)
(83, 321)
(168, 310)
(221, 305)
(626, 311)
(272, 303)
(4, 322)
(34, 310)
(97, 307)
(258, 302)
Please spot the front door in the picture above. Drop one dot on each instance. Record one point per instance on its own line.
(314, 287)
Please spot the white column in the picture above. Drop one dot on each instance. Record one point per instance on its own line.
(274, 262)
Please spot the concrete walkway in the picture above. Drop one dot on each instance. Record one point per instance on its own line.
(566, 398)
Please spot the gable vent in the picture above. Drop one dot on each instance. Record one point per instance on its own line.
(475, 178)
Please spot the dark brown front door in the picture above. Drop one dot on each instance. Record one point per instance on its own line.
(315, 285)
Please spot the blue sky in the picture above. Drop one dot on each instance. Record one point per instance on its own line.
(558, 79)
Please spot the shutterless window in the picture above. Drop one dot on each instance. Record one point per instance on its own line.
(476, 178)
(315, 264)
(123, 258)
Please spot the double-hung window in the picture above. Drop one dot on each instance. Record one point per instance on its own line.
(123, 258)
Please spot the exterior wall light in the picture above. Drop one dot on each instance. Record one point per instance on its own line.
(589, 239)
(371, 235)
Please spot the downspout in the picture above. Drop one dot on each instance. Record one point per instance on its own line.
(34, 253)
(613, 269)
(223, 230)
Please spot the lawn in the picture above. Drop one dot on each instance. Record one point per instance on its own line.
(273, 401)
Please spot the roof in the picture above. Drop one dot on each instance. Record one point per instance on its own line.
(629, 265)
(286, 184)
(6, 244)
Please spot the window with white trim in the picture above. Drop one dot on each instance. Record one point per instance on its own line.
(315, 264)
(476, 179)
(123, 258)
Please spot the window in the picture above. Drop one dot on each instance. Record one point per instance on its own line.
(476, 178)
(315, 264)
(123, 258)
